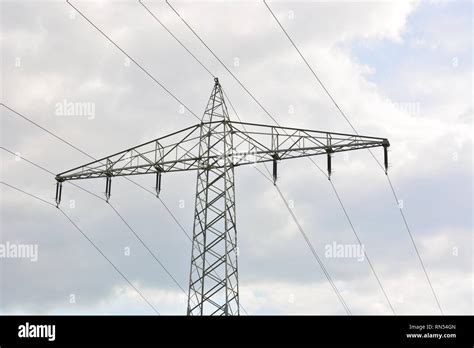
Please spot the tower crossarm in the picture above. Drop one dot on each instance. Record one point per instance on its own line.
(255, 143)
(177, 151)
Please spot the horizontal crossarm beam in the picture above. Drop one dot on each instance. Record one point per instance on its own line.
(257, 143)
(174, 152)
(252, 143)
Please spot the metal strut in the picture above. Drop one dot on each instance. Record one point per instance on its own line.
(108, 188)
(59, 191)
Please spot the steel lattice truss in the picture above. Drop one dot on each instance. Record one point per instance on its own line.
(214, 148)
(258, 143)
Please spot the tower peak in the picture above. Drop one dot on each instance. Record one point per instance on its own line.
(216, 108)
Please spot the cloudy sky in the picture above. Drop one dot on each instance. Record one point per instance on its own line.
(399, 69)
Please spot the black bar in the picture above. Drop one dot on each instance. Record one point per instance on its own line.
(454, 331)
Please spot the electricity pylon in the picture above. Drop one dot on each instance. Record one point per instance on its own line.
(214, 148)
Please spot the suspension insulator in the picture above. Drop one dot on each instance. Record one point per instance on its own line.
(275, 169)
(329, 152)
(385, 145)
(59, 190)
(108, 188)
(158, 183)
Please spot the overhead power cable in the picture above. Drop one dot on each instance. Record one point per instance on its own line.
(313, 251)
(113, 208)
(372, 154)
(222, 63)
(133, 60)
(90, 241)
(174, 36)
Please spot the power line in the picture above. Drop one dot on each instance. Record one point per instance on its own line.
(174, 36)
(312, 71)
(49, 172)
(359, 241)
(220, 61)
(365, 253)
(313, 251)
(147, 248)
(133, 60)
(113, 208)
(47, 131)
(90, 241)
(129, 282)
(28, 194)
(190, 53)
(414, 245)
(373, 156)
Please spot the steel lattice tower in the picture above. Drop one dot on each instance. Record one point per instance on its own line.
(213, 148)
(213, 280)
